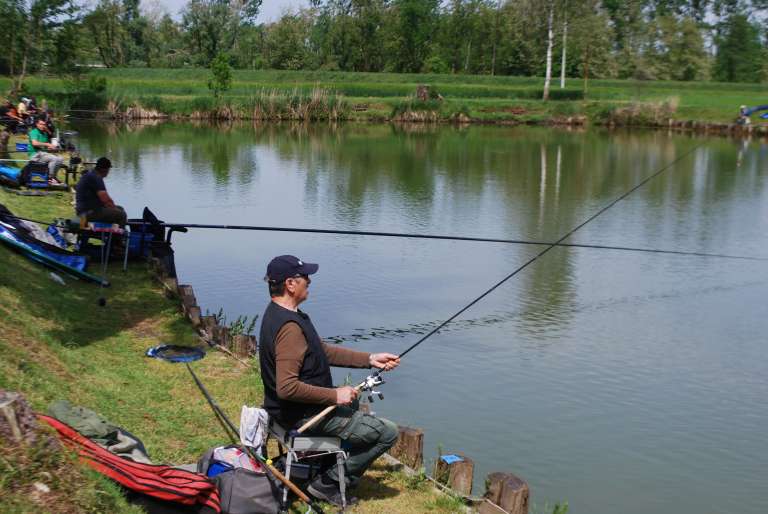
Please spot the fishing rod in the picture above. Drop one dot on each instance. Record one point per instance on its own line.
(374, 379)
(234, 434)
(458, 238)
(406, 235)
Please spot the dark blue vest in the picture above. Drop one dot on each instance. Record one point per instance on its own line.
(315, 369)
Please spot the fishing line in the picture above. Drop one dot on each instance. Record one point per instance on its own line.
(374, 379)
(547, 249)
(406, 235)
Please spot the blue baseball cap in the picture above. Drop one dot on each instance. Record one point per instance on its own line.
(287, 266)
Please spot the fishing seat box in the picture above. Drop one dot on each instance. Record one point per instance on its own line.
(36, 175)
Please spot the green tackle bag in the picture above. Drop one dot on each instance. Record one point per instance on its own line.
(241, 491)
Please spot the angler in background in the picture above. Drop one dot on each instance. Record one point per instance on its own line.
(296, 371)
(745, 112)
(92, 199)
(9, 117)
(40, 148)
(22, 109)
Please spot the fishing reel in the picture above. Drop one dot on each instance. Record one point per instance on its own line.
(369, 383)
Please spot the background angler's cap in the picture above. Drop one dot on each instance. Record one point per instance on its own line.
(286, 266)
(103, 163)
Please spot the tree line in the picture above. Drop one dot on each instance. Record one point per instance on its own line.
(687, 40)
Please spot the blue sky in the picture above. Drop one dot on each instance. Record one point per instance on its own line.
(270, 9)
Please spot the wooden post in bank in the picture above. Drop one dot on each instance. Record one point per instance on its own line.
(456, 471)
(409, 448)
(507, 491)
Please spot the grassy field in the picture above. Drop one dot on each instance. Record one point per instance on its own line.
(375, 96)
(57, 343)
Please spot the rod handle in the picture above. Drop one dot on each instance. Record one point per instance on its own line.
(298, 492)
(309, 424)
(323, 413)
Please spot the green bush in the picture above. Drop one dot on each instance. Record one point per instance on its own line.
(435, 64)
(88, 94)
(202, 104)
(76, 92)
(221, 75)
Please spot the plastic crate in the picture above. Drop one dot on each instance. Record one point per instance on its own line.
(38, 179)
(139, 244)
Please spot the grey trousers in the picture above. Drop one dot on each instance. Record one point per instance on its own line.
(366, 437)
(54, 162)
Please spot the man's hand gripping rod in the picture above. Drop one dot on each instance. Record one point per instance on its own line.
(371, 381)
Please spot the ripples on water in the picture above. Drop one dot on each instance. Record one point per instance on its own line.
(539, 316)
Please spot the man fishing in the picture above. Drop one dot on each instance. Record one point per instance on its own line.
(92, 199)
(295, 369)
(40, 147)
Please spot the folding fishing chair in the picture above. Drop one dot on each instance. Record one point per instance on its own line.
(304, 447)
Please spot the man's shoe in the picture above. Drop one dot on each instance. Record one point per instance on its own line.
(328, 491)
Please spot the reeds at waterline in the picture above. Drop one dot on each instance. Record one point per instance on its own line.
(297, 105)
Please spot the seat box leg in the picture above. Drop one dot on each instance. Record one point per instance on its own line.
(340, 458)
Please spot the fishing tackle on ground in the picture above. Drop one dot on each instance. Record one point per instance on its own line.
(177, 353)
(234, 434)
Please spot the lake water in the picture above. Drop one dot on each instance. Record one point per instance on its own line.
(621, 382)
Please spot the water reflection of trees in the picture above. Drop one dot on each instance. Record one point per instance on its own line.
(421, 164)
(516, 182)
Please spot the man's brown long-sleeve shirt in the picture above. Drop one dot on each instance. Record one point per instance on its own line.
(290, 347)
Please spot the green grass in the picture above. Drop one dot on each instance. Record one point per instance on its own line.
(487, 98)
(57, 343)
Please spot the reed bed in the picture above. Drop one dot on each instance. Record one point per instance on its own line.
(319, 105)
(637, 113)
(273, 104)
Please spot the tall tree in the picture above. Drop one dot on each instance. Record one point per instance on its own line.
(164, 41)
(592, 40)
(213, 26)
(411, 31)
(565, 45)
(135, 25)
(105, 25)
(40, 19)
(349, 34)
(550, 44)
(740, 53)
(629, 28)
(13, 14)
(678, 51)
(287, 45)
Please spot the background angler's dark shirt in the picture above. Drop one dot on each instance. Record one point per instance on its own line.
(87, 188)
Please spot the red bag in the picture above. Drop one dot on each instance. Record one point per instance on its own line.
(158, 481)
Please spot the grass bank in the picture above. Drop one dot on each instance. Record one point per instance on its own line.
(381, 96)
(57, 343)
